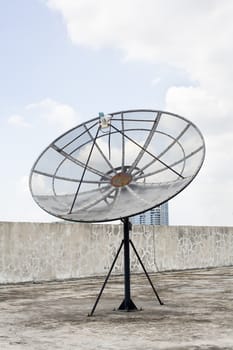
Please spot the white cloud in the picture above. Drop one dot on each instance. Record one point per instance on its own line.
(18, 121)
(47, 112)
(62, 116)
(164, 29)
(210, 112)
(214, 192)
(195, 36)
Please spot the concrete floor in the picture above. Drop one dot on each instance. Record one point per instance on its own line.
(198, 313)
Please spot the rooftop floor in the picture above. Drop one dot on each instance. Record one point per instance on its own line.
(197, 314)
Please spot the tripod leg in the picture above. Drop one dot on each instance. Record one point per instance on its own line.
(146, 273)
(106, 279)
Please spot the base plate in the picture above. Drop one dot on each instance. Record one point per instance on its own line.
(129, 306)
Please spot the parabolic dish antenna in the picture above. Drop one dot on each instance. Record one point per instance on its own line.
(117, 165)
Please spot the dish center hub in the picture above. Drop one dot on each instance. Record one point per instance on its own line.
(121, 179)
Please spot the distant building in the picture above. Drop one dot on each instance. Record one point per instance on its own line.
(155, 216)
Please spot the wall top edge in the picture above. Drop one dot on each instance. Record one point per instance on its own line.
(65, 223)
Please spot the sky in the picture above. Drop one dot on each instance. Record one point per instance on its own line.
(64, 61)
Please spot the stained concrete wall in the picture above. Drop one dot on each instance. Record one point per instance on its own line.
(51, 251)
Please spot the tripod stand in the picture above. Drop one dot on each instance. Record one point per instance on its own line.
(127, 304)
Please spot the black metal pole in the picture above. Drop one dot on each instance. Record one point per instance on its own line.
(127, 304)
(127, 263)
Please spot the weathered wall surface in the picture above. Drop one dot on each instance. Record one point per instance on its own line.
(49, 251)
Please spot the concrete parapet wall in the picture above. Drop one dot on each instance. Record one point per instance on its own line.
(52, 251)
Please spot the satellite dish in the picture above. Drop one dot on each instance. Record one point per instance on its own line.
(115, 166)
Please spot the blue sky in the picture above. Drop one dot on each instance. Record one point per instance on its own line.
(64, 61)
